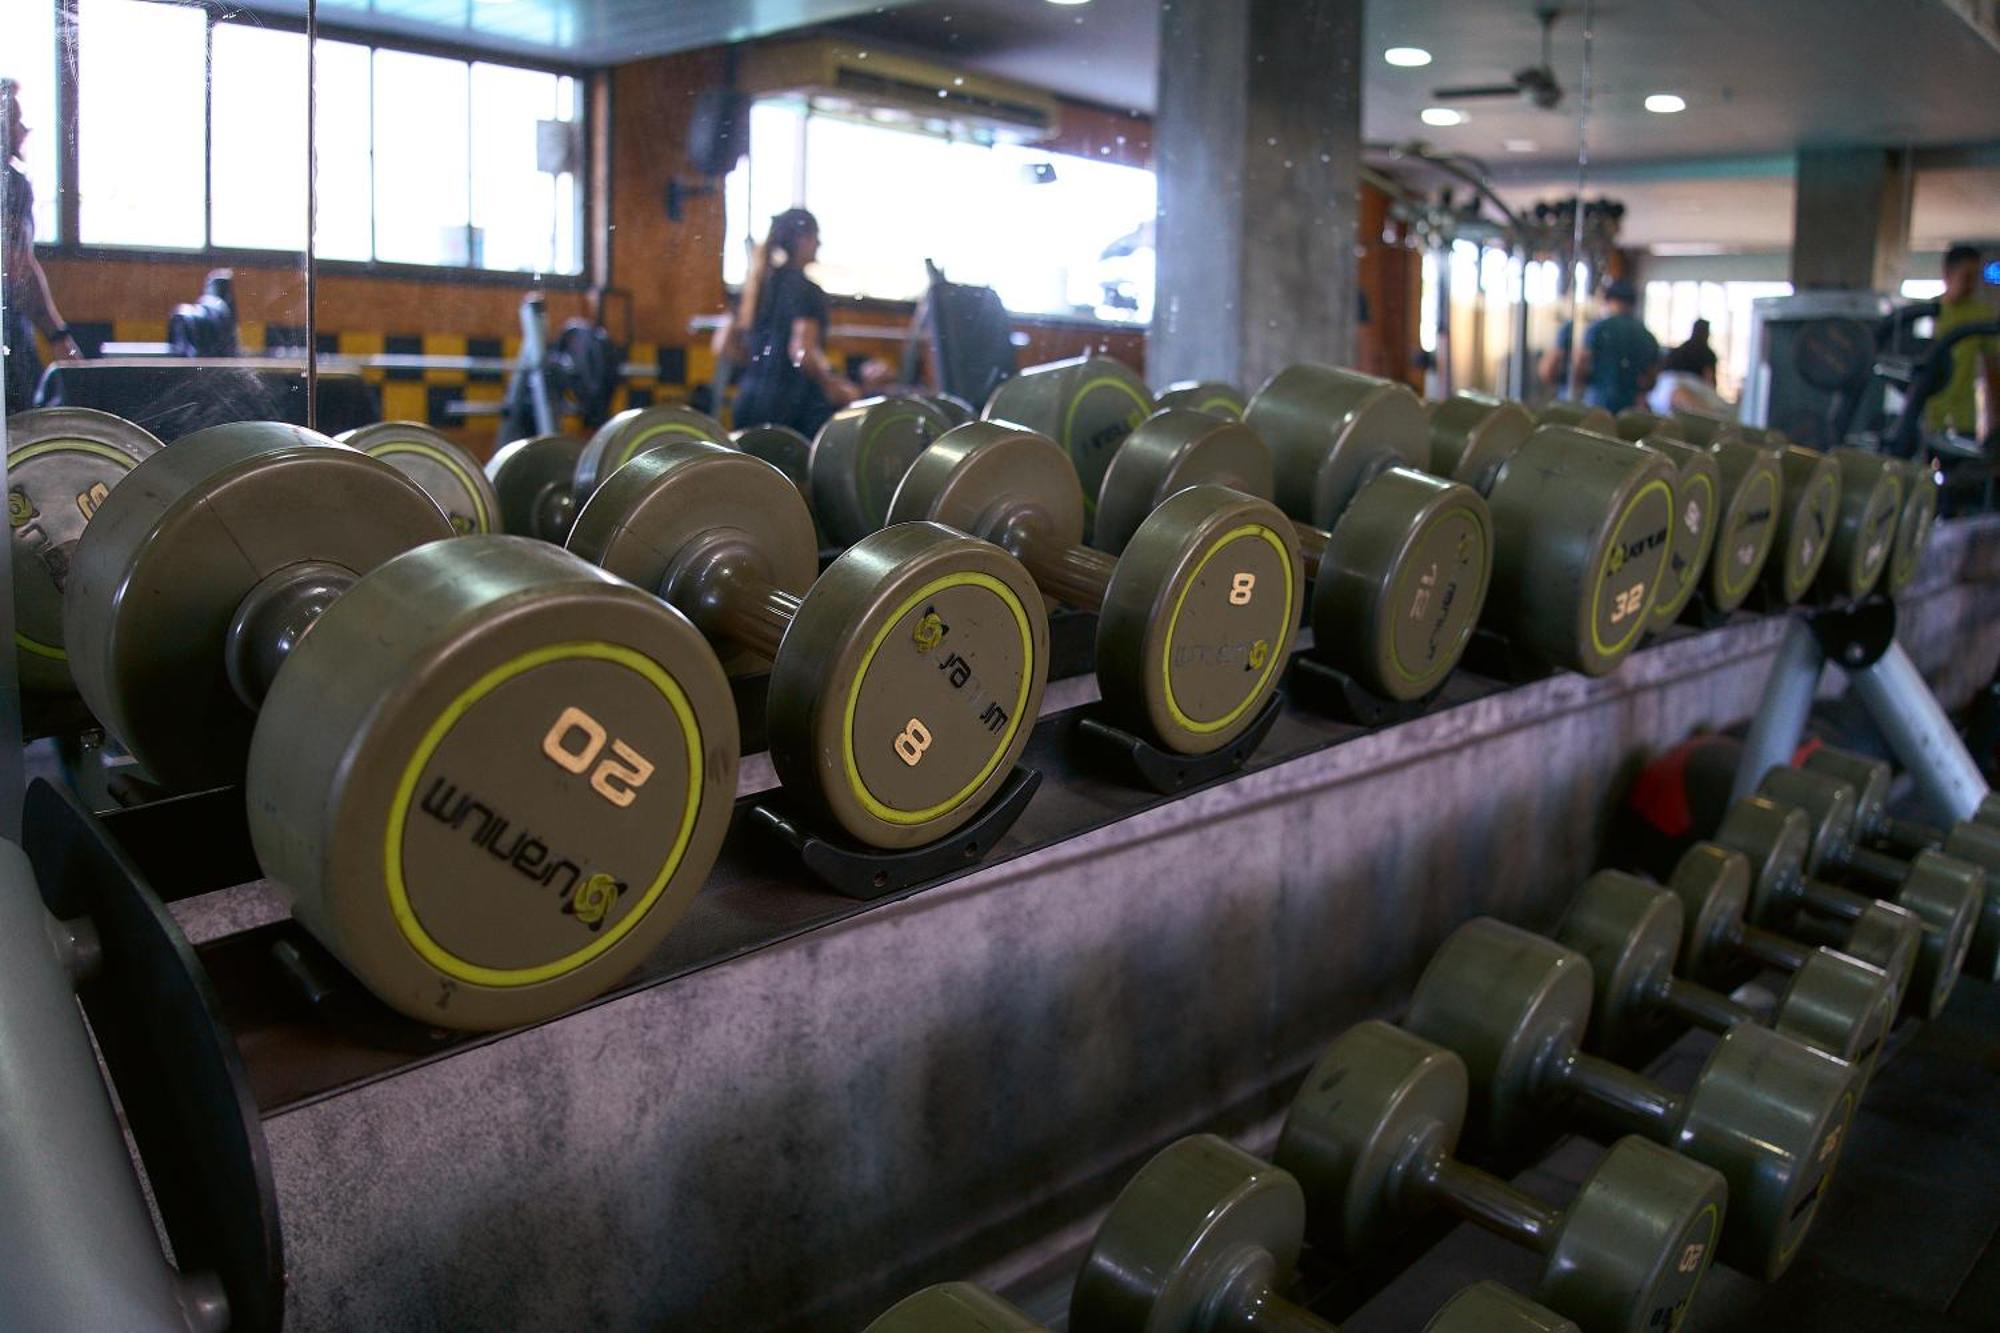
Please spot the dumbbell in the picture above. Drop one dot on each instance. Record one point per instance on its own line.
(1765, 1111)
(1837, 997)
(956, 410)
(1397, 583)
(1577, 416)
(859, 456)
(1808, 514)
(1582, 525)
(1203, 1267)
(1753, 492)
(1205, 1238)
(1210, 396)
(490, 777)
(1864, 532)
(1636, 423)
(61, 464)
(1479, 432)
(905, 679)
(1087, 404)
(447, 473)
(635, 431)
(780, 446)
(1944, 894)
(1696, 483)
(1195, 619)
(542, 481)
(1631, 932)
(1963, 857)
(1975, 840)
(1913, 524)
(953, 1307)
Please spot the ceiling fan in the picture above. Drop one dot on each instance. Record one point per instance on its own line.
(1535, 84)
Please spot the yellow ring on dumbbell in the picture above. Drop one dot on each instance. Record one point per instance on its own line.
(399, 896)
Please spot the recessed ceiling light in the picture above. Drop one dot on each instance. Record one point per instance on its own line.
(1441, 116)
(1069, 2)
(1409, 57)
(1519, 145)
(1666, 104)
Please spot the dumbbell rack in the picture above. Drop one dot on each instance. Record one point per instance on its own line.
(180, 1078)
(1861, 640)
(308, 1035)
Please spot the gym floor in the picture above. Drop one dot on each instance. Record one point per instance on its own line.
(1909, 1236)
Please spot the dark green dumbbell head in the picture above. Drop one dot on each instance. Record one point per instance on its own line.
(1913, 523)
(1488, 1307)
(491, 777)
(905, 680)
(1979, 844)
(1864, 535)
(956, 410)
(1697, 484)
(1713, 884)
(1375, 1099)
(1577, 416)
(61, 463)
(1752, 489)
(1510, 1004)
(953, 1307)
(1807, 516)
(1198, 618)
(1706, 431)
(1891, 938)
(1581, 528)
(1173, 449)
(784, 449)
(1830, 807)
(859, 458)
(1211, 396)
(635, 431)
(1330, 431)
(1988, 811)
(1382, 1102)
(1637, 1239)
(1947, 895)
(1630, 932)
(1195, 619)
(174, 551)
(1776, 839)
(448, 474)
(1771, 1116)
(1401, 583)
(1200, 1228)
(534, 480)
(1840, 1005)
(1636, 423)
(1869, 779)
(1087, 404)
(1472, 434)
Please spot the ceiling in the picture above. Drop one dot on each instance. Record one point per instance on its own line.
(1762, 77)
(1759, 79)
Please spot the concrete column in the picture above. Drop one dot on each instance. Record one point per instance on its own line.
(1851, 220)
(1257, 138)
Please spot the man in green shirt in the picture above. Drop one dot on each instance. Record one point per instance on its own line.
(1975, 360)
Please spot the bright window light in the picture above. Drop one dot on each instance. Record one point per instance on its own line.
(1441, 116)
(1409, 57)
(1666, 104)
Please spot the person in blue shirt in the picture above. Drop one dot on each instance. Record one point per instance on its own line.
(1619, 356)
